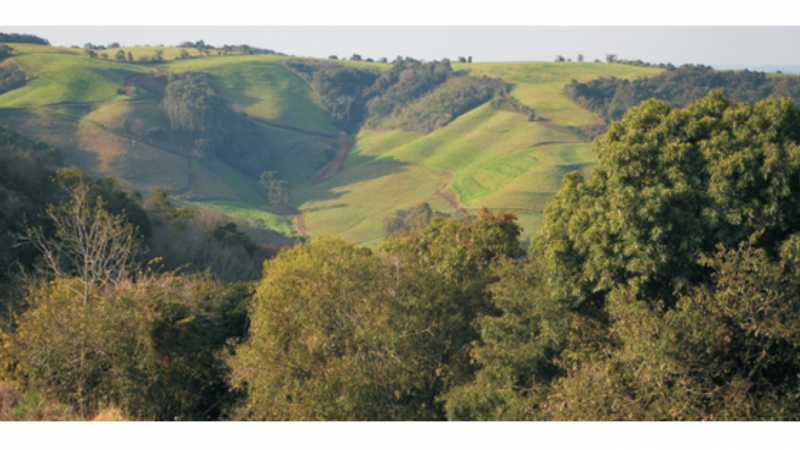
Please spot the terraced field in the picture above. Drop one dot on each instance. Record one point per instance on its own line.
(95, 111)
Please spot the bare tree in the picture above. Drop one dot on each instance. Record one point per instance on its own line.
(277, 191)
(89, 242)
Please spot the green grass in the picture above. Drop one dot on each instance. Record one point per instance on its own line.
(260, 86)
(541, 85)
(67, 78)
(496, 159)
(272, 221)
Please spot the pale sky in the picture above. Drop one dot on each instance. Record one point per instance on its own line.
(717, 45)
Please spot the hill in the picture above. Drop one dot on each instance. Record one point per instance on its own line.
(453, 135)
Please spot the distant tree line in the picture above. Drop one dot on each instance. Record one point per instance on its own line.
(205, 122)
(612, 97)
(202, 47)
(23, 39)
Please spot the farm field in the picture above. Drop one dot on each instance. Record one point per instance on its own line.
(94, 110)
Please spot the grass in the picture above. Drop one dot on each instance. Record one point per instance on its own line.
(489, 158)
(67, 78)
(260, 86)
(486, 157)
(541, 85)
(270, 220)
(354, 203)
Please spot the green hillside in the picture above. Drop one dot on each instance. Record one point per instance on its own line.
(486, 157)
(106, 117)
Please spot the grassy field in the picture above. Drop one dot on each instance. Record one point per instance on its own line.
(260, 86)
(496, 159)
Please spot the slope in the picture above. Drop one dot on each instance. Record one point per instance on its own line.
(486, 157)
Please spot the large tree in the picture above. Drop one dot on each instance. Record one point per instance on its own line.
(345, 333)
(618, 315)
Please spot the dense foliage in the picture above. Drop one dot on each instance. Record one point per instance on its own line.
(212, 128)
(23, 38)
(26, 172)
(410, 95)
(370, 335)
(149, 346)
(664, 286)
(612, 97)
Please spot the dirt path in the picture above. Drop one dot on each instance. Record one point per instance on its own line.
(447, 196)
(299, 222)
(337, 165)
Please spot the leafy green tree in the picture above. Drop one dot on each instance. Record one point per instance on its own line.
(344, 333)
(120, 55)
(617, 273)
(130, 57)
(150, 347)
(671, 184)
(5, 51)
(727, 351)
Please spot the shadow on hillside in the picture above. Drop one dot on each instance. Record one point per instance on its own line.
(358, 169)
(57, 130)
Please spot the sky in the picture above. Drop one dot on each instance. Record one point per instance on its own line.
(710, 45)
(739, 34)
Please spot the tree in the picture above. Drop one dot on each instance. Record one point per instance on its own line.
(344, 333)
(469, 59)
(5, 51)
(671, 184)
(355, 57)
(580, 57)
(130, 57)
(277, 189)
(333, 57)
(462, 59)
(616, 310)
(160, 55)
(89, 242)
(113, 45)
(90, 54)
(560, 58)
(184, 54)
(120, 55)
(611, 58)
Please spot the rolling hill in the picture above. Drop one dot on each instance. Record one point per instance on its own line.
(106, 117)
